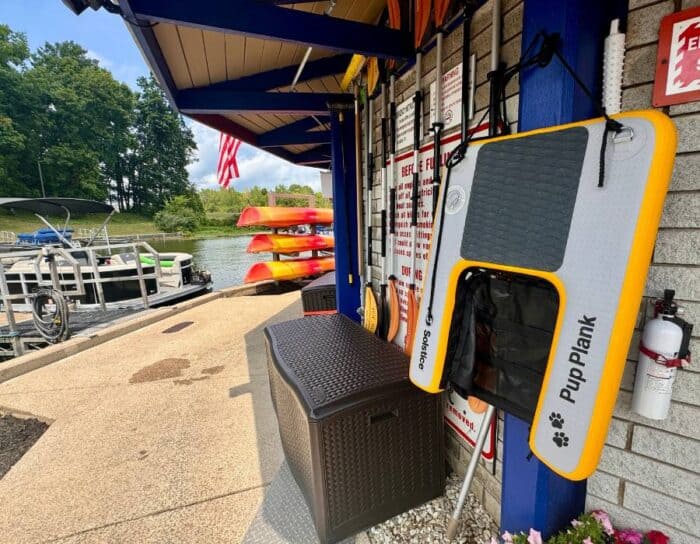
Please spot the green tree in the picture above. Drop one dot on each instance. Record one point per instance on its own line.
(182, 213)
(164, 148)
(233, 201)
(80, 122)
(93, 136)
(14, 52)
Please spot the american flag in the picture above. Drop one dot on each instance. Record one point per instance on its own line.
(228, 167)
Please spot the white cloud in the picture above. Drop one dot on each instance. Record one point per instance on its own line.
(256, 167)
(126, 73)
(107, 64)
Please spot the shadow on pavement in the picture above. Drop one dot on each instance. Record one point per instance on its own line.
(283, 516)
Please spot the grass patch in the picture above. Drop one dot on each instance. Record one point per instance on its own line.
(211, 231)
(121, 224)
(124, 224)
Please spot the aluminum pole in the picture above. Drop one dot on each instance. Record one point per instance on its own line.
(471, 470)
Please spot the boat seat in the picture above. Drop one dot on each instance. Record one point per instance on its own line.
(81, 257)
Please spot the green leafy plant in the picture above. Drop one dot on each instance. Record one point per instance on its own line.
(182, 213)
(170, 222)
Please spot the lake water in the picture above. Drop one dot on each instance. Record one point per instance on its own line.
(225, 258)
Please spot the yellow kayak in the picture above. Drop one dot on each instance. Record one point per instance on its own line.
(289, 270)
(277, 217)
(289, 243)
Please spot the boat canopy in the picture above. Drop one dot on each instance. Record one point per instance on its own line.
(52, 206)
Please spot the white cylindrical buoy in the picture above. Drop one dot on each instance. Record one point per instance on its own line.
(613, 64)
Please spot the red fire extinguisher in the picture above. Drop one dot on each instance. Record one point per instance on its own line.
(662, 351)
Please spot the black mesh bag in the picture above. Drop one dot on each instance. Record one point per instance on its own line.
(500, 339)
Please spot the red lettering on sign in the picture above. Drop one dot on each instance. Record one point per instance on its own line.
(678, 59)
(688, 62)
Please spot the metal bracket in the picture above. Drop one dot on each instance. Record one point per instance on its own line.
(626, 134)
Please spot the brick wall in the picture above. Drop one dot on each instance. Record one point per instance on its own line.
(487, 484)
(649, 475)
(649, 472)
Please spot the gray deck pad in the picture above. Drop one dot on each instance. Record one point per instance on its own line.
(283, 516)
(534, 204)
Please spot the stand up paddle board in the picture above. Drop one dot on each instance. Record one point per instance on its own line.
(557, 205)
(289, 243)
(278, 217)
(289, 270)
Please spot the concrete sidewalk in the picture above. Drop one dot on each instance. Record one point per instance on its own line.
(156, 436)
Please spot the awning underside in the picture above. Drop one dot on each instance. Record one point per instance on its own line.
(230, 65)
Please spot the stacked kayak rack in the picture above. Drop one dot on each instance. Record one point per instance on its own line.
(287, 262)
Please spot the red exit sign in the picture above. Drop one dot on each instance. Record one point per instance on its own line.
(678, 60)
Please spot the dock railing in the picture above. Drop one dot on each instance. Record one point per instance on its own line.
(80, 260)
(86, 234)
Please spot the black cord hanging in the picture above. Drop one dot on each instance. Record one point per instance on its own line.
(549, 48)
(611, 125)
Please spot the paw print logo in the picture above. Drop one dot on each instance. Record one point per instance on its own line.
(560, 439)
(556, 420)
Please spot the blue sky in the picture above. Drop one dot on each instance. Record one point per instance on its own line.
(107, 39)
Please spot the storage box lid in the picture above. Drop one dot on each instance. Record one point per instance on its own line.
(332, 362)
(325, 281)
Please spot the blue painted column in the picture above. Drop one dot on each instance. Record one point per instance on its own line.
(532, 495)
(347, 279)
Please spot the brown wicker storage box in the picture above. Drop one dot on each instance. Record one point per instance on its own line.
(362, 442)
(318, 297)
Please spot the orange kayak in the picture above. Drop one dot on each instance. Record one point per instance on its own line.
(289, 270)
(289, 243)
(267, 216)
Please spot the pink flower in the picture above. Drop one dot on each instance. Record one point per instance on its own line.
(493, 540)
(575, 523)
(507, 538)
(629, 536)
(587, 540)
(535, 537)
(602, 517)
(657, 537)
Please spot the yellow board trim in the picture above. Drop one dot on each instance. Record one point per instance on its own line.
(632, 290)
(630, 295)
(457, 271)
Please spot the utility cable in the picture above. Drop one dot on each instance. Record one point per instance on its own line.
(53, 326)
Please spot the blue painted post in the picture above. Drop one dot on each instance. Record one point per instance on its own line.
(532, 495)
(347, 279)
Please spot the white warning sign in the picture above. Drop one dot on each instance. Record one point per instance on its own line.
(402, 249)
(404, 124)
(466, 417)
(462, 415)
(451, 98)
